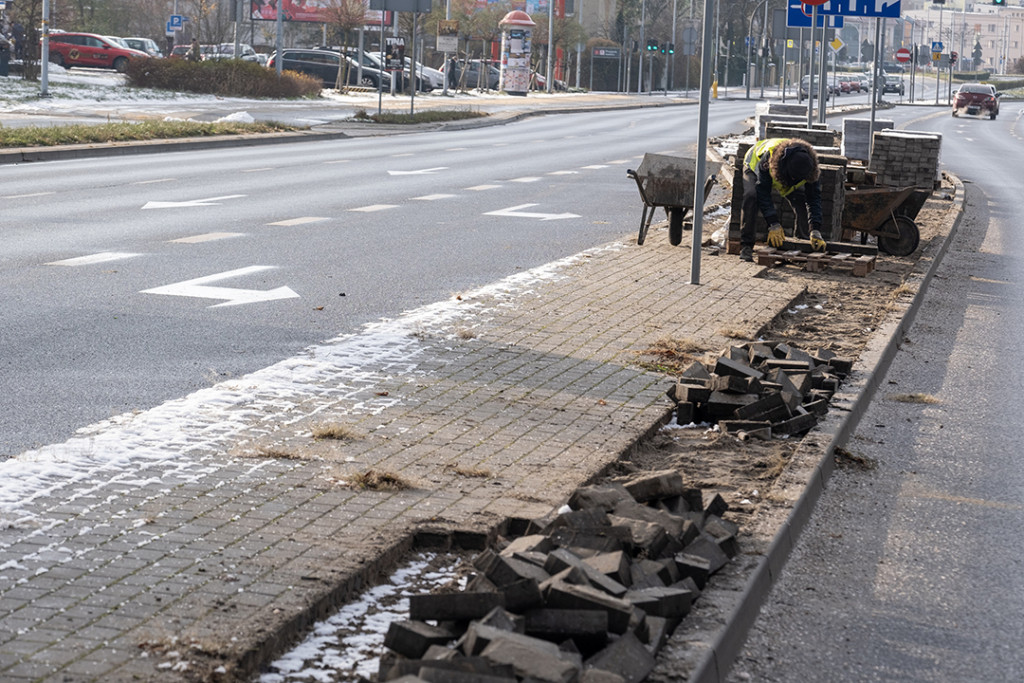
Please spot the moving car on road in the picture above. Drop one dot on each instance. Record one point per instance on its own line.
(977, 99)
(89, 49)
(893, 83)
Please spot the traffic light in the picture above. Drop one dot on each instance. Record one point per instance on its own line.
(671, 48)
(652, 45)
(1000, 3)
(952, 58)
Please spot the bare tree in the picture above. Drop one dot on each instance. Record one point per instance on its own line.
(345, 16)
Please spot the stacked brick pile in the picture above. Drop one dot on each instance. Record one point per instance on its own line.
(857, 136)
(824, 139)
(587, 595)
(906, 158)
(760, 389)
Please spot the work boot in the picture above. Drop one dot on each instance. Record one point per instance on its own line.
(747, 254)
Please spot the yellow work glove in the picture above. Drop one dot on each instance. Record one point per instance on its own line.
(817, 242)
(775, 235)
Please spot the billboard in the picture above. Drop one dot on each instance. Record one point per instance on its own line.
(317, 11)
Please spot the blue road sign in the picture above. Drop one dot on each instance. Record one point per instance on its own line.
(937, 46)
(861, 8)
(799, 16)
(175, 21)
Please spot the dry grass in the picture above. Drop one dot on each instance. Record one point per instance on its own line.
(853, 461)
(734, 333)
(671, 356)
(278, 453)
(334, 431)
(372, 480)
(475, 472)
(924, 399)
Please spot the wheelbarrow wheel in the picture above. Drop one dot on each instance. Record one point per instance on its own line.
(899, 236)
(675, 227)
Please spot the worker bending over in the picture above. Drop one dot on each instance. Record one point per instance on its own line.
(790, 166)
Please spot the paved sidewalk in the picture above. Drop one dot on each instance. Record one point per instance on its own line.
(190, 542)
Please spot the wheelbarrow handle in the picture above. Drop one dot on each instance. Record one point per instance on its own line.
(631, 173)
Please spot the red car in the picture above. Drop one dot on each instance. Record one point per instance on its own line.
(976, 98)
(89, 49)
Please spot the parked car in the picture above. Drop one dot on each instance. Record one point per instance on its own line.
(227, 51)
(147, 45)
(323, 64)
(428, 79)
(181, 51)
(977, 99)
(472, 74)
(893, 83)
(865, 82)
(805, 84)
(69, 49)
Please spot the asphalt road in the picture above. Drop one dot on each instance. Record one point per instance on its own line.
(912, 571)
(115, 267)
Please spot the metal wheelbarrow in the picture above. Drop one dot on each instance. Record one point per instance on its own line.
(667, 182)
(888, 213)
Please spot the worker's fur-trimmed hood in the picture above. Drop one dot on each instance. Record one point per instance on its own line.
(799, 153)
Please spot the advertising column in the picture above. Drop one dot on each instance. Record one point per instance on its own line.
(516, 37)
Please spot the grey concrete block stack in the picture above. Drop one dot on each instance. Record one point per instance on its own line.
(906, 158)
(856, 143)
(590, 594)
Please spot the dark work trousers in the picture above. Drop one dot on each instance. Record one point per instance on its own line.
(749, 211)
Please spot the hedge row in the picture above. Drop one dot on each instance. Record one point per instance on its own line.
(227, 77)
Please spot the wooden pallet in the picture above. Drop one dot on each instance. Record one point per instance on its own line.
(858, 266)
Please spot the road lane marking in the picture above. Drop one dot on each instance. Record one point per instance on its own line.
(151, 182)
(481, 188)
(525, 179)
(211, 201)
(208, 237)
(30, 194)
(564, 173)
(516, 212)
(92, 259)
(594, 167)
(433, 197)
(457, 149)
(299, 221)
(257, 170)
(375, 207)
(199, 288)
(403, 154)
(619, 161)
(338, 161)
(422, 171)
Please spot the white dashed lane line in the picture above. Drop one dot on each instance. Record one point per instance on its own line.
(28, 196)
(208, 237)
(481, 188)
(93, 259)
(433, 197)
(153, 182)
(300, 221)
(374, 207)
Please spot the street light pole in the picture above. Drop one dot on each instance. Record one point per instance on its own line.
(764, 47)
(750, 42)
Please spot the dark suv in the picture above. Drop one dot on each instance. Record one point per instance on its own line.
(323, 64)
(89, 49)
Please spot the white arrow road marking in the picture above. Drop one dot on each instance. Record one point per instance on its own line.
(93, 259)
(514, 212)
(422, 171)
(233, 297)
(212, 201)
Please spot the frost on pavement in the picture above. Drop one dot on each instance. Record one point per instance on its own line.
(185, 440)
